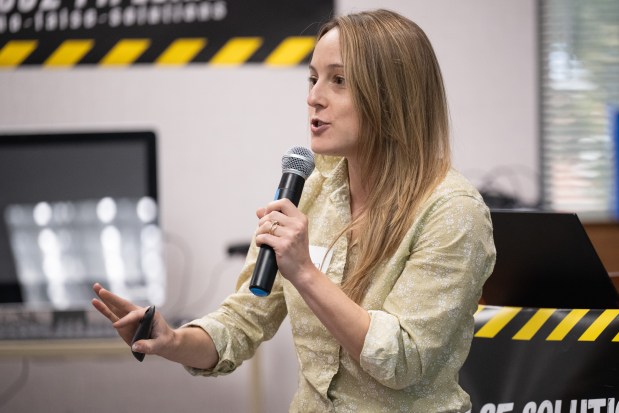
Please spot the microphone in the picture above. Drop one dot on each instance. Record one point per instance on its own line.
(297, 165)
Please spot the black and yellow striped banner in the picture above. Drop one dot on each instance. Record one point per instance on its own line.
(120, 33)
(543, 360)
(236, 51)
(548, 324)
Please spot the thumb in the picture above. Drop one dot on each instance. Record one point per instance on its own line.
(145, 346)
(161, 338)
(260, 212)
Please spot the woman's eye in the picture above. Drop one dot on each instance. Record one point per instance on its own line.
(339, 80)
(312, 80)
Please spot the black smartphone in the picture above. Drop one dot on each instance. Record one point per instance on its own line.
(144, 330)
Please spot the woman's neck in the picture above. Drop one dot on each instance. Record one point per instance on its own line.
(358, 191)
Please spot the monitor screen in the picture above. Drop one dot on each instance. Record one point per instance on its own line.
(79, 208)
(546, 259)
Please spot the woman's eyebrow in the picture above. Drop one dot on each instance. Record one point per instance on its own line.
(330, 66)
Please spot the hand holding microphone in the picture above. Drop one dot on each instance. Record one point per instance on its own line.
(297, 165)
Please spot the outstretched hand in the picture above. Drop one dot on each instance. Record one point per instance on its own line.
(126, 316)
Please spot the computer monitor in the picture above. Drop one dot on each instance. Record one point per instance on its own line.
(546, 259)
(79, 208)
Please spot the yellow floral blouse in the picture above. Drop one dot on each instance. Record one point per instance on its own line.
(421, 304)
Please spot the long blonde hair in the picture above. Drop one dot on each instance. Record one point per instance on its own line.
(397, 89)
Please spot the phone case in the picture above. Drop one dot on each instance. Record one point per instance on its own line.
(144, 329)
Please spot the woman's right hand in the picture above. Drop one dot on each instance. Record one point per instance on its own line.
(188, 346)
(126, 316)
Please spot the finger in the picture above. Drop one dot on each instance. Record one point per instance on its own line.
(143, 346)
(284, 205)
(103, 309)
(147, 346)
(133, 317)
(118, 305)
(160, 335)
(260, 212)
(97, 289)
(106, 308)
(268, 239)
(272, 227)
(150, 345)
(272, 217)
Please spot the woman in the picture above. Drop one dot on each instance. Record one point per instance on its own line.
(404, 242)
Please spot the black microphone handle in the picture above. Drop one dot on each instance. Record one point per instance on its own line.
(264, 273)
(290, 187)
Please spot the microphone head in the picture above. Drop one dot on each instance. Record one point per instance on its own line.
(298, 160)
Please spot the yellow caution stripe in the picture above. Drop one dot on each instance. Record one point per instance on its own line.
(534, 324)
(291, 51)
(566, 325)
(181, 52)
(69, 53)
(125, 52)
(498, 322)
(599, 325)
(16, 51)
(497, 318)
(236, 51)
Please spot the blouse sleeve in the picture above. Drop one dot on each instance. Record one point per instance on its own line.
(426, 321)
(242, 322)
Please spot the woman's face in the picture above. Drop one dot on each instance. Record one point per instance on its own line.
(334, 123)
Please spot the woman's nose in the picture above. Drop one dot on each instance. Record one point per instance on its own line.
(315, 96)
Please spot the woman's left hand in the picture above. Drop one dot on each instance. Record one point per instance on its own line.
(282, 226)
(345, 319)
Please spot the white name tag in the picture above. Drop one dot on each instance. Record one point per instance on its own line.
(320, 257)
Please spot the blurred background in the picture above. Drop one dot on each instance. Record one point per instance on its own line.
(533, 90)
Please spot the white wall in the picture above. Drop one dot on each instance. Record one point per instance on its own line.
(222, 133)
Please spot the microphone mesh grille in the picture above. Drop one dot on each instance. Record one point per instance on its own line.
(298, 160)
